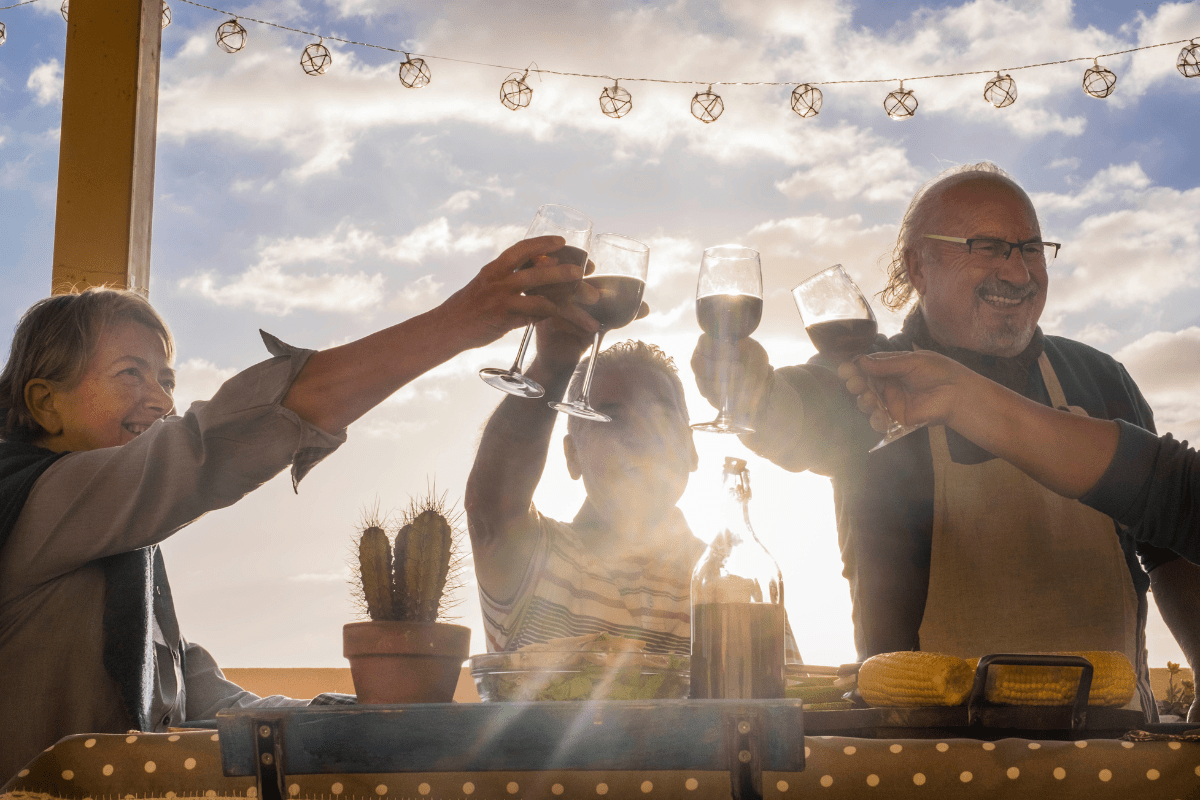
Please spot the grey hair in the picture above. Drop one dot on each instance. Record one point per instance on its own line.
(56, 339)
(629, 354)
(899, 291)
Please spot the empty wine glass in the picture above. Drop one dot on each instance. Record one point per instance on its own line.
(620, 278)
(728, 307)
(842, 326)
(550, 220)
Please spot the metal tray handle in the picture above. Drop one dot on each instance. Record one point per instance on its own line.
(978, 696)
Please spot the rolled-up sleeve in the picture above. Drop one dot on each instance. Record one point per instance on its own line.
(1152, 485)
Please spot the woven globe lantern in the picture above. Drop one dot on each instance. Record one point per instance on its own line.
(806, 100)
(515, 93)
(63, 9)
(1000, 91)
(615, 102)
(1188, 62)
(900, 104)
(707, 106)
(166, 14)
(316, 58)
(414, 73)
(3, 33)
(1099, 81)
(231, 36)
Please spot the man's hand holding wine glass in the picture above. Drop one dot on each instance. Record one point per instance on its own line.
(738, 370)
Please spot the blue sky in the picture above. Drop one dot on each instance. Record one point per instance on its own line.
(321, 208)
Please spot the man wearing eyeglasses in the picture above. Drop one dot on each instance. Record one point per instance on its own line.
(947, 548)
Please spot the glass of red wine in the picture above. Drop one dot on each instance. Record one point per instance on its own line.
(620, 278)
(728, 308)
(840, 322)
(550, 220)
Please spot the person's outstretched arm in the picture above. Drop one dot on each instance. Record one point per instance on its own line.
(339, 385)
(509, 463)
(925, 387)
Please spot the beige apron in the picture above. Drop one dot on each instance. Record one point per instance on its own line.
(1015, 567)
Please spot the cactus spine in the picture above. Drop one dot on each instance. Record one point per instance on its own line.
(408, 582)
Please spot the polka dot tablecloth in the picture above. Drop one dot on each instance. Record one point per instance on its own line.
(188, 765)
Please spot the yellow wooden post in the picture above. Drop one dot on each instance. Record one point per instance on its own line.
(106, 153)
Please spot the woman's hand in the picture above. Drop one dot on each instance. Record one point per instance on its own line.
(916, 388)
(494, 302)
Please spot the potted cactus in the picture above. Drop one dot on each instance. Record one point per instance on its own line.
(403, 653)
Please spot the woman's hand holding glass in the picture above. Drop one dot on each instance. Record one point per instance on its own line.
(575, 230)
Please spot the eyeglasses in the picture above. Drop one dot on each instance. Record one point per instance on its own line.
(1033, 250)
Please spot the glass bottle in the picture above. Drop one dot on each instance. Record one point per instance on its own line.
(737, 606)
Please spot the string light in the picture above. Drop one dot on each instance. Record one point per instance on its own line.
(1099, 81)
(806, 100)
(707, 106)
(615, 102)
(414, 73)
(900, 104)
(316, 59)
(1188, 62)
(515, 93)
(231, 36)
(1000, 91)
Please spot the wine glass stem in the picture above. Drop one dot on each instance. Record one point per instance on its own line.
(587, 378)
(516, 367)
(731, 353)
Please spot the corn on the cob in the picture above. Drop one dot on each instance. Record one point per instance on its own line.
(1113, 682)
(915, 679)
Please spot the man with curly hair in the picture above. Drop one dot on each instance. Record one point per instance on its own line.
(623, 565)
(946, 547)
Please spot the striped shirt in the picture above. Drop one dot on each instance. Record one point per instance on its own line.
(568, 590)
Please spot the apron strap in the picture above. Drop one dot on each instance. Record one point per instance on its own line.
(1058, 398)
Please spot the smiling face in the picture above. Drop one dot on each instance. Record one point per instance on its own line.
(126, 387)
(636, 467)
(988, 305)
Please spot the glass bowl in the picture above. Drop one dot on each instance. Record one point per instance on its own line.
(580, 675)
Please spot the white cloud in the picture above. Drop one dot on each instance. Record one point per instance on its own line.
(268, 290)
(1105, 186)
(1166, 367)
(460, 201)
(198, 379)
(46, 82)
(276, 285)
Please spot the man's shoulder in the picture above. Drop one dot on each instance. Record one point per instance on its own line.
(1080, 357)
(1097, 381)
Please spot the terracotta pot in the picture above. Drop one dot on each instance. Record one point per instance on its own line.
(405, 662)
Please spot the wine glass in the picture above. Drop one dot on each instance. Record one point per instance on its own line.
(840, 322)
(550, 220)
(620, 277)
(728, 307)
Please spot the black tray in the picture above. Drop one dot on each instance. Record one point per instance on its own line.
(980, 720)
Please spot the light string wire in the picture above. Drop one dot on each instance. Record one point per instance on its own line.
(16, 5)
(539, 71)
